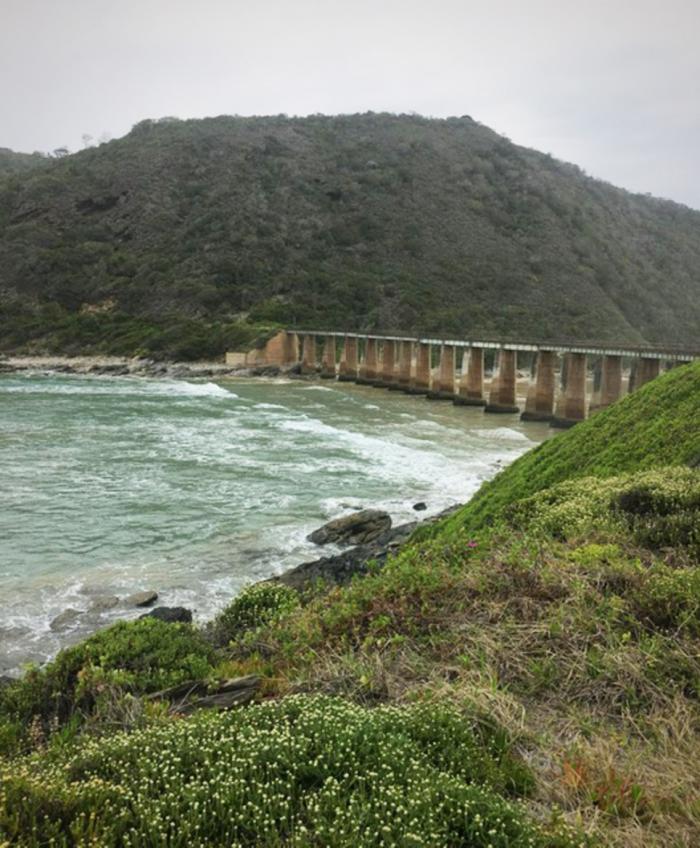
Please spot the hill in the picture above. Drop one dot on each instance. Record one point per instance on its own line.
(12, 162)
(170, 239)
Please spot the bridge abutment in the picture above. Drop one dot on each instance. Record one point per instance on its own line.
(444, 385)
(571, 407)
(347, 371)
(610, 388)
(328, 359)
(420, 378)
(470, 390)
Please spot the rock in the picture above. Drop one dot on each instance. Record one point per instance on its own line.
(195, 695)
(103, 602)
(420, 506)
(141, 599)
(6, 681)
(340, 569)
(172, 615)
(360, 528)
(66, 619)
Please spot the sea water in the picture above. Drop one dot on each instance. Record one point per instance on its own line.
(111, 485)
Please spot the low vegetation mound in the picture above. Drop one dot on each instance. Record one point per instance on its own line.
(302, 771)
(657, 425)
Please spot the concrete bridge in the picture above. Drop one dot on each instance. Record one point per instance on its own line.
(558, 383)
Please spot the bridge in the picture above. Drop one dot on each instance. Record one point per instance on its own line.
(559, 383)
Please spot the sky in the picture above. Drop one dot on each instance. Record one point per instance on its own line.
(613, 86)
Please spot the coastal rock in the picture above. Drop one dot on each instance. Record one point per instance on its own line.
(340, 569)
(65, 620)
(103, 603)
(360, 528)
(420, 506)
(141, 599)
(172, 615)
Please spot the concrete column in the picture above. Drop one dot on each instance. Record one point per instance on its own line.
(470, 391)
(444, 385)
(571, 407)
(420, 378)
(642, 371)
(386, 377)
(368, 369)
(308, 357)
(610, 388)
(539, 405)
(405, 361)
(328, 360)
(502, 394)
(348, 360)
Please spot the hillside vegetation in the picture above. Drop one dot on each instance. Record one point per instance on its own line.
(171, 239)
(529, 679)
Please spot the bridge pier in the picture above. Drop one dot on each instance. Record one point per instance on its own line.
(444, 386)
(385, 377)
(502, 394)
(539, 405)
(368, 369)
(403, 377)
(572, 404)
(420, 378)
(347, 371)
(610, 388)
(308, 357)
(470, 389)
(643, 370)
(328, 359)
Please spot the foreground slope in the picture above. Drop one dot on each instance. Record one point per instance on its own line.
(362, 221)
(533, 683)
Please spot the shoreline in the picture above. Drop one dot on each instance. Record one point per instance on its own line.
(123, 366)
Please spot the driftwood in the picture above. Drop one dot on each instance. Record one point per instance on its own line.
(186, 698)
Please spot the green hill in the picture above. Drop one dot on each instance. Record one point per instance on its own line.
(170, 238)
(12, 162)
(658, 425)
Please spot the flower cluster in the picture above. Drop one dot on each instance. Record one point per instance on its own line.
(307, 770)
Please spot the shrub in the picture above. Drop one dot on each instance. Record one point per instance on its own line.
(256, 606)
(130, 657)
(297, 772)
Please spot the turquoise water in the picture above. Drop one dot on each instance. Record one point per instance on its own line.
(113, 485)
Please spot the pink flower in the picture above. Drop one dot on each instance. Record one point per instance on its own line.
(472, 543)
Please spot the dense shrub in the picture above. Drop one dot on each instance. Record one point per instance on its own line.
(129, 657)
(302, 771)
(658, 508)
(256, 606)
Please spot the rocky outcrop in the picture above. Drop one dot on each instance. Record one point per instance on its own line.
(340, 569)
(171, 615)
(65, 620)
(141, 599)
(359, 528)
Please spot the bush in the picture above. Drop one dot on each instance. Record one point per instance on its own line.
(302, 771)
(133, 657)
(256, 606)
(657, 509)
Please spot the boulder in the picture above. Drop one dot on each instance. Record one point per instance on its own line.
(420, 506)
(141, 599)
(103, 602)
(65, 620)
(360, 528)
(173, 615)
(340, 569)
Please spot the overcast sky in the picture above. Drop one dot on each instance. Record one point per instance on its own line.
(613, 86)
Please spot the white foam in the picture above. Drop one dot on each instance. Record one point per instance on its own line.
(502, 433)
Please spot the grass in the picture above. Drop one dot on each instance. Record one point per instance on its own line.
(653, 427)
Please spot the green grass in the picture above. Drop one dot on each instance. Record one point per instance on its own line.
(657, 425)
